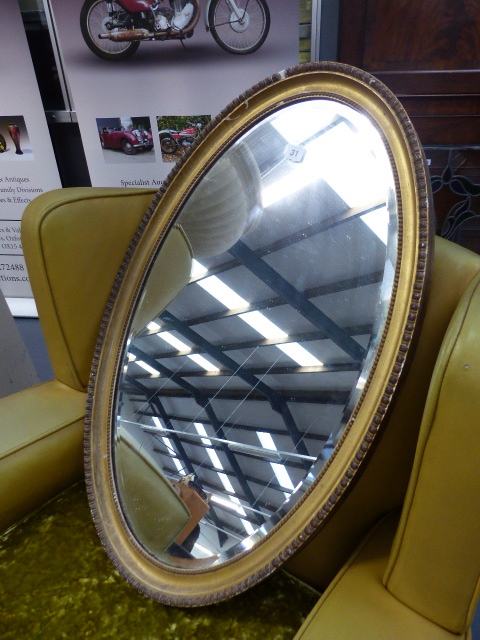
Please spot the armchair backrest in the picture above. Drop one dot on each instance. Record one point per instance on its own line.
(434, 566)
(74, 241)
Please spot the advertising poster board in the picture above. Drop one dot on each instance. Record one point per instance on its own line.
(138, 112)
(27, 162)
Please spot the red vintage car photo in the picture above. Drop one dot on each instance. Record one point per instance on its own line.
(128, 140)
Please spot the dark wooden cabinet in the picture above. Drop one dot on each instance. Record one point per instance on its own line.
(428, 53)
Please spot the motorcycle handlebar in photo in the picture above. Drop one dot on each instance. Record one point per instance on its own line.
(114, 29)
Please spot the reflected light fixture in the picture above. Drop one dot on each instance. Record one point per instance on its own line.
(233, 502)
(279, 470)
(181, 346)
(231, 300)
(168, 444)
(153, 372)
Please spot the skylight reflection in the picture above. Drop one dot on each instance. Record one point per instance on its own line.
(378, 221)
(153, 372)
(232, 502)
(298, 353)
(261, 324)
(203, 362)
(212, 454)
(294, 126)
(279, 470)
(231, 300)
(168, 443)
(360, 176)
(176, 461)
(198, 270)
(175, 342)
(219, 290)
(202, 551)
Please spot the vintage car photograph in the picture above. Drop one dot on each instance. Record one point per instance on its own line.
(128, 135)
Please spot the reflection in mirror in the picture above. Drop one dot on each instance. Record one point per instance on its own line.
(255, 333)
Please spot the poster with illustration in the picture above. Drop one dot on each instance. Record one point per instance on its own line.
(27, 162)
(152, 62)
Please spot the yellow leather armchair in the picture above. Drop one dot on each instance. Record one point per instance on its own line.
(74, 242)
(419, 578)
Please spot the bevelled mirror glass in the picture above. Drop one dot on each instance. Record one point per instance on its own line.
(256, 334)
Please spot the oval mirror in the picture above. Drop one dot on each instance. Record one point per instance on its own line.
(256, 334)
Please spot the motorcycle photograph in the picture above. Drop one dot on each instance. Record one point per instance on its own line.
(113, 29)
(172, 140)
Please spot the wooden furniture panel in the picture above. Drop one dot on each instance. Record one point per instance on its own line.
(427, 53)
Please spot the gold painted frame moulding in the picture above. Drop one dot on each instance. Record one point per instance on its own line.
(185, 587)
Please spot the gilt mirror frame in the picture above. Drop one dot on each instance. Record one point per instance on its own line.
(205, 585)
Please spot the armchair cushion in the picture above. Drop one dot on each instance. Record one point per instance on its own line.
(356, 606)
(41, 449)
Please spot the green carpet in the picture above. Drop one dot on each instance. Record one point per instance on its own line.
(57, 582)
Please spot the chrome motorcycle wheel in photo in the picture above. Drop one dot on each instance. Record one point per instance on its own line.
(241, 29)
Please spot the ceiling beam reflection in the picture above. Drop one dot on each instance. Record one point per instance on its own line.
(313, 292)
(229, 426)
(276, 400)
(320, 397)
(296, 299)
(204, 402)
(311, 336)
